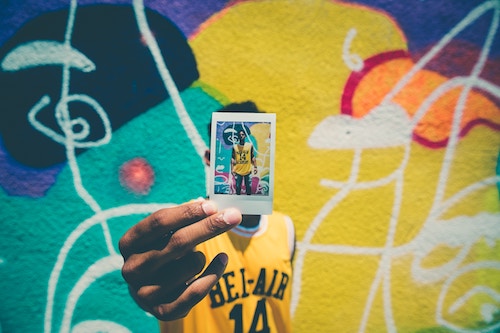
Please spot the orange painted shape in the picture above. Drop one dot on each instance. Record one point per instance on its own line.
(434, 129)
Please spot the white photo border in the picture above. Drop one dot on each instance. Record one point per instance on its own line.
(248, 204)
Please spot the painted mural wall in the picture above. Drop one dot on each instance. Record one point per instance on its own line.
(388, 136)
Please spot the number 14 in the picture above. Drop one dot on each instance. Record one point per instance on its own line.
(236, 314)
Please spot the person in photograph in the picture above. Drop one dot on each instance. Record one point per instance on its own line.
(242, 160)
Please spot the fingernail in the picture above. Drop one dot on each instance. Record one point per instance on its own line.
(209, 207)
(231, 216)
(223, 258)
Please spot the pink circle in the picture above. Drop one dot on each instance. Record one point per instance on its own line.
(137, 176)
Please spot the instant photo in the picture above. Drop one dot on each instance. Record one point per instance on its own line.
(242, 161)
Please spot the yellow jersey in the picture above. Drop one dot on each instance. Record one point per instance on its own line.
(243, 158)
(254, 292)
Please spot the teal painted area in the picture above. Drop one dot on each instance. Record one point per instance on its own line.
(158, 137)
(34, 231)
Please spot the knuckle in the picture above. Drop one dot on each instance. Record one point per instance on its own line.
(143, 295)
(213, 225)
(190, 211)
(123, 245)
(166, 312)
(129, 270)
(155, 221)
(176, 244)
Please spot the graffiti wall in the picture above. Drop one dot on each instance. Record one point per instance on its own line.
(387, 151)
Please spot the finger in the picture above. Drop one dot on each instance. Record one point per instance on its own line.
(181, 242)
(154, 230)
(184, 269)
(171, 274)
(186, 238)
(172, 279)
(193, 293)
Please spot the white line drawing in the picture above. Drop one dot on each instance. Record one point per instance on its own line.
(477, 227)
(342, 132)
(353, 61)
(53, 53)
(46, 53)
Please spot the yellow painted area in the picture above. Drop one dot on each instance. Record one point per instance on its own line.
(261, 133)
(287, 56)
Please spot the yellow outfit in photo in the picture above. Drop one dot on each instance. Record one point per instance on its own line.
(243, 157)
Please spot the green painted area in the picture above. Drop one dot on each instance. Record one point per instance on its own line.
(37, 231)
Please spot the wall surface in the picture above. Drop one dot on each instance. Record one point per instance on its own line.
(388, 136)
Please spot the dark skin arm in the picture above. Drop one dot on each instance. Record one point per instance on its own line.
(160, 265)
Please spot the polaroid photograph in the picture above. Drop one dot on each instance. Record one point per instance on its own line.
(242, 153)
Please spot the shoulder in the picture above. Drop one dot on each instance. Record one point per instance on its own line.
(285, 222)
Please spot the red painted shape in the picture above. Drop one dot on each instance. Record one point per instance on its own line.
(137, 176)
(356, 77)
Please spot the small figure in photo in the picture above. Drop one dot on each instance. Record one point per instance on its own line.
(242, 160)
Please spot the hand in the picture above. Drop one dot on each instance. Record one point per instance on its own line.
(159, 262)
